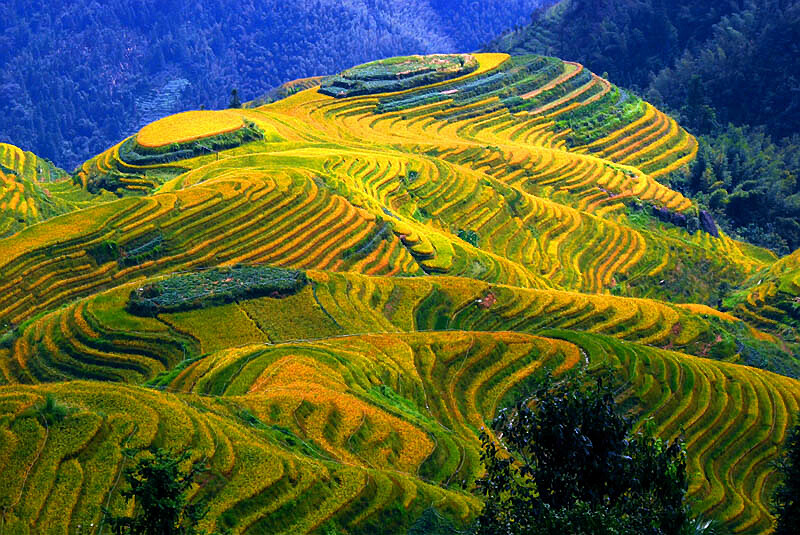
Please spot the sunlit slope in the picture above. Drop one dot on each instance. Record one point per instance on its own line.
(59, 477)
(406, 177)
(374, 419)
(301, 362)
(286, 219)
(733, 419)
(27, 165)
(773, 299)
(24, 202)
(33, 190)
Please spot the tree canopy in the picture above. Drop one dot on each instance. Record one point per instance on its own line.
(574, 465)
(786, 500)
(158, 484)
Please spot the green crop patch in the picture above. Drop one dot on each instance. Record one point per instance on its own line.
(212, 287)
(397, 74)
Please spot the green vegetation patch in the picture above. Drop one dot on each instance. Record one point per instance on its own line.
(509, 83)
(398, 74)
(595, 121)
(214, 287)
(286, 90)
(382, 232)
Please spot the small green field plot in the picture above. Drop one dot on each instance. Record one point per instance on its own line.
(397, 74)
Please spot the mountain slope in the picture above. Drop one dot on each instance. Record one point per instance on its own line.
(707, 62)
(34, 190)
(331, 294)
(627, 38)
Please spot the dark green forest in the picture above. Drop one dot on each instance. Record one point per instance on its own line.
(726, 69)
(76, 77)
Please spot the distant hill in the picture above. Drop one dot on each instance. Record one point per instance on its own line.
(628, 39)
(79, 76)
(328, 297)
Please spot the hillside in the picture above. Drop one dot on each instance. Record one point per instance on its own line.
(33, 190)
(330, 295)
(78, 76)
(707, 62)
(629, 39)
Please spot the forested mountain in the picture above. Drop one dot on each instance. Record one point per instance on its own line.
(628, 39)
(78, 76)
(712, 64)
(686, 54)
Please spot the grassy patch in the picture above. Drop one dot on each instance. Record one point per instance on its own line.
(163, 379)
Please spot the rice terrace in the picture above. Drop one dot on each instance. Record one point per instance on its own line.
(329, 296)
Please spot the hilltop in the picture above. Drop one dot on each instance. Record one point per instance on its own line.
(81, 75)
(330, 295)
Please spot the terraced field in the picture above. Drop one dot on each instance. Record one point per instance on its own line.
(772, 302)
(33, 190)
(58, 478)
(99, 337)
(456, 226)
(732, 418)
(186, 127)
(15, 161)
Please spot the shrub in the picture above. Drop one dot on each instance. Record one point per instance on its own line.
(51, 411)
(105, 251)
(786, 501)
(159, 485)
(469, 236)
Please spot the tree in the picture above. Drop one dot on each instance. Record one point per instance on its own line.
(158, 484)
(786, 500)
(235, 102)
(52, 412)
(575, 466)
